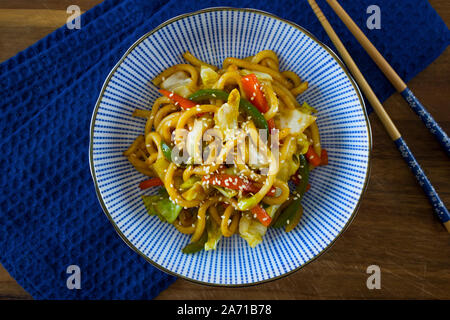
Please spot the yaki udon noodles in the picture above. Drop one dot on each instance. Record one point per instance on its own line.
(223, 144)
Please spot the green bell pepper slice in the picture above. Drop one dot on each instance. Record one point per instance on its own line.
(198, 245)
(167, 150)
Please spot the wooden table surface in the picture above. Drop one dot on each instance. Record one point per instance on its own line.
(395, 227)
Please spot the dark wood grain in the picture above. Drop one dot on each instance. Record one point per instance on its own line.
(395, 227)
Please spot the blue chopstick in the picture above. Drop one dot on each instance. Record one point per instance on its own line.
(392, 76)
(427, 119)
(436, 202)
(438, 206)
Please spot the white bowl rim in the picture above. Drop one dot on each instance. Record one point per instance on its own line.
(255, 11)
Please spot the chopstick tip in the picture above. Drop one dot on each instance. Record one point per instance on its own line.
(447, 226)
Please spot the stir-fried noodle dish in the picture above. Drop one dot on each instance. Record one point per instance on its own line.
(224, 145)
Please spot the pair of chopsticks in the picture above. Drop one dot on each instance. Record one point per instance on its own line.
(397, 82)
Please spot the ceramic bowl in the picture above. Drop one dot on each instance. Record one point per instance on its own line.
(212, 35)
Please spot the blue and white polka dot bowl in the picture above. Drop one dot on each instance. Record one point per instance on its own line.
(212, 35)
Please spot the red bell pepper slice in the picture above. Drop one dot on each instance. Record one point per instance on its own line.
(152, 182)
(295, 178)
(312, 157)
(271, 124)
(324, 158)
(179, 100)
(255, 95)
(262, 215)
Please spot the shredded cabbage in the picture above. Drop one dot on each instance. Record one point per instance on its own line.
(296, 120)
(306, 108)
(214, 235)
(288, 168)
(194, 139)
(209, 76)
(251, 230)
(162, 206)
(303, 143)
(178, 83)
(227, 115)
(261, 76)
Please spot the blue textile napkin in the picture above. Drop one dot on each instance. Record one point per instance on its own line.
(50, 217)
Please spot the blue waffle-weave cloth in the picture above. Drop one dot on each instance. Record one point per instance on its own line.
(50, 217)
